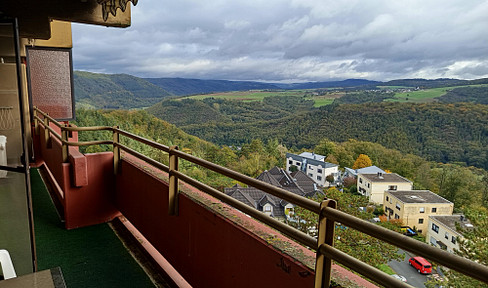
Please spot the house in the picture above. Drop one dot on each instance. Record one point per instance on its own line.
(374, 185)
(442, 231)
(313, 165)
(297, 182)
(413, 207)
(349, 172)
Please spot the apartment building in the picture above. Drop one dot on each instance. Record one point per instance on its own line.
(414, 207)
(313, 165)
(374, 185)
(443, 233)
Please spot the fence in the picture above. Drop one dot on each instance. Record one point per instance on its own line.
(326, 211)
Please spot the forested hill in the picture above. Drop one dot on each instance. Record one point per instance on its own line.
(115, 91)
(182, 86)
(439, 132)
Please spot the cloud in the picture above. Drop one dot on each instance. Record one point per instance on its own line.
(292, 40)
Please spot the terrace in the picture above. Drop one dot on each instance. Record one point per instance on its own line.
(122, 219)
(192, 237)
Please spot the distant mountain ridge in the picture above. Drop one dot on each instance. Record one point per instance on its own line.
(123, 91)
(184, 86)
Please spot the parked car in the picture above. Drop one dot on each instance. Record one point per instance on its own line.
(423, 266)
(399, 277)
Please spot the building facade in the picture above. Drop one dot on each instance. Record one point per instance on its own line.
(374, 185)
(442, 231)
(314, 166)
(414, 207)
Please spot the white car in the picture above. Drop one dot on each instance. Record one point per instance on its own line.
(399, 277)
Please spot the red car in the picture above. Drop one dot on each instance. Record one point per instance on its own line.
(423, 266)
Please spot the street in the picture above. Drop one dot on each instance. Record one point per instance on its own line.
(403, 268)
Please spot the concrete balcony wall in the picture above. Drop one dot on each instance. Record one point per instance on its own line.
(85, 186)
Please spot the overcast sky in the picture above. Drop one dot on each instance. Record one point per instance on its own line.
(292, 40)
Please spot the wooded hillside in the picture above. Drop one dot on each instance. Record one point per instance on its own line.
(439, 132)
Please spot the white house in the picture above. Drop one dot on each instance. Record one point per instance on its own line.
(313, 165)
(374, 185)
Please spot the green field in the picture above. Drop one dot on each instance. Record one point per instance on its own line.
(320, 100)
(427, 95)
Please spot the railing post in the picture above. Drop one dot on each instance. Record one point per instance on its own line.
(323, 265)
(36, 122)
(47, 134)
(116, 150)
(64, 149)
(173, 182)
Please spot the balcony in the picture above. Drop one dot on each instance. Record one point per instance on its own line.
(189, 234)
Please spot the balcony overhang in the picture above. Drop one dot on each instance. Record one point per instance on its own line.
(35, 16)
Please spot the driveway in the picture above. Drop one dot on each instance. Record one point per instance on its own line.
(403, 268)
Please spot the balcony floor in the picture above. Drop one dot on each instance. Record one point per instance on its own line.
(89, 257)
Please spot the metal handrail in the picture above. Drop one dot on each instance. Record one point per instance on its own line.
(465, 266)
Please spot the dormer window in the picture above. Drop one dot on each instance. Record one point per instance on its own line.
(392, 187)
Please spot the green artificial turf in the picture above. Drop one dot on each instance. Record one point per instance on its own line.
(89, 257)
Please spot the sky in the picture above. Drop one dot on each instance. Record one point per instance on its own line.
(292, 40)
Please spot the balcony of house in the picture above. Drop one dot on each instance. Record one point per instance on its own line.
(190, 234)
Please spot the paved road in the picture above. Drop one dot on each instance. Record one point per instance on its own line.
(403, 268)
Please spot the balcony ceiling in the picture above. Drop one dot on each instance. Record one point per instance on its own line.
(34, 15)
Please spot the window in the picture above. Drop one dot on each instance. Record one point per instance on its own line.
(446, 235)
(290, 162)
(319, 170)
(435, 228)
(392, 187)
(360, 180)
(267, 208)
(422, 209)
(319, 178)
(397, 216)
(434, 210)
(310, 174)
(453, 240)
(421, 221)
(387, 198)
(298, 163)
(420, 230)
(310, 167)
(368, 185)
(397, 206)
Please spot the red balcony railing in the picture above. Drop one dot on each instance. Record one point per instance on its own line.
(326, 211)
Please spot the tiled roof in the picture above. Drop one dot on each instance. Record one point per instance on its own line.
(277, 177)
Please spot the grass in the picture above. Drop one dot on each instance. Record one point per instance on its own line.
(253, 95)
(89, 256)
(323, 101)
(427, 95)
(387, 269)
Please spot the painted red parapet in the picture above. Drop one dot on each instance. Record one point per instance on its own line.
(207, 249)
(85, 186)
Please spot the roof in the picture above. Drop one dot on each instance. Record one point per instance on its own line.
(385, 177)
(370, 170)
(418, 196)
(451, 220)
(297, 182)
(312, 156)
(311, 161)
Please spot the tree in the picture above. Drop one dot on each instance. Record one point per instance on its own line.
(330, 178)
(362, 161)
(325, 147)
(364, 247)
